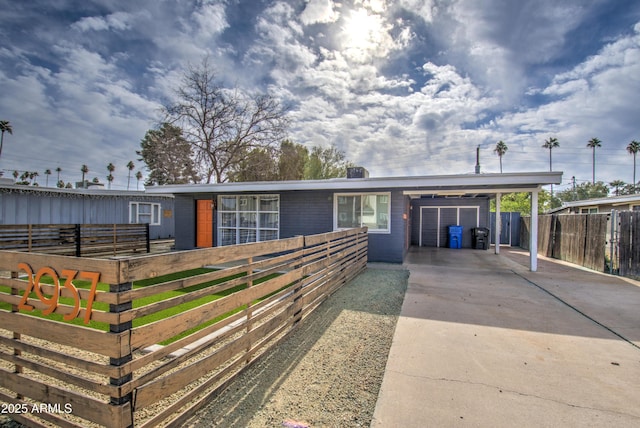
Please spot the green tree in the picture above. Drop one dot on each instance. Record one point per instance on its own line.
(168, 156)
(5, 126)
(584, 191)
(16, 174)
(111, 167)
(47, 172)
(293, 158)
(259, 164)
(593, 143)
(326, 163)
(138, 178)
(500, 149)
(58, 171)
(521, 202)
(130, 166)
(617, 184)
(84, 170)
(550, 144)
(222, 125)
(633, 148)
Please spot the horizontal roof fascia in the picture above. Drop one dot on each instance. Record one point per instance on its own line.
(476, 183)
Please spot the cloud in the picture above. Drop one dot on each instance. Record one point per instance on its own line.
(319, 11)
(116, 21)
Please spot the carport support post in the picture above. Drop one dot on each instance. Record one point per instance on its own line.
(498, 221)
(533, 233)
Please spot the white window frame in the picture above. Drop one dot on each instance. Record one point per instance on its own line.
(336, 198)
(239, 210)
(155, 217)
(589, 210)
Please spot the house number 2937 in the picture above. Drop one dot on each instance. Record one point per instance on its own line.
(52, 302)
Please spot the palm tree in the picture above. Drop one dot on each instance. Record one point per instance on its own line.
(58, 170)
(593, 143)
(111, 167)
(84, 170)
(5, 126)
(47, 172)
(138, 177)
(33, 176)
(633, 148)
(500, 150)
(130, 166)
(617, 184)
(550, 144)
(16, 174)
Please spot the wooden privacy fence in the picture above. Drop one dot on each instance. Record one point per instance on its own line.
(167, 346)
(576, 238)
(628, 236)
(75, 239)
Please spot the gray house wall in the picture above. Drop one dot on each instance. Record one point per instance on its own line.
(305, 213)
(185, 210)
(448, 217)
(50, 206)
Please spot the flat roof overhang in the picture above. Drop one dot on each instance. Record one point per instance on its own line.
(445, 185)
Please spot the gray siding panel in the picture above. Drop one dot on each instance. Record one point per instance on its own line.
(185, 222)
(305, 213)
(49, 207)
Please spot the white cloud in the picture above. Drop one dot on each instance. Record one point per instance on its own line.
(116, 21)
(211, 20)
(319, 11)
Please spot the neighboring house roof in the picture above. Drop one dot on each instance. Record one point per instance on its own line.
(418, 185)
(609, 200)
(20, 188)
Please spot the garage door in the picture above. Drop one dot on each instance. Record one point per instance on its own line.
(435, 222)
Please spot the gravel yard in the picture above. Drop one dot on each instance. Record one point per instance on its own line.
(325, 374)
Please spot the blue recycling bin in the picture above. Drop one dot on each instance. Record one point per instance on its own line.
(455, 236)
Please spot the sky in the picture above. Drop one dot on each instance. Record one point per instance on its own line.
(402, 87)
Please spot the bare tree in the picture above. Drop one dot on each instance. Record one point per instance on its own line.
(223, 125)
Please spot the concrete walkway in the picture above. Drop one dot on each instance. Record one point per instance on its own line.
(483, 342)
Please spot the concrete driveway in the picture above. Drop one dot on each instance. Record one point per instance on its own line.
(483, 342)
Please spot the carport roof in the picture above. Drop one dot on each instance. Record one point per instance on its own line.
(460, 184)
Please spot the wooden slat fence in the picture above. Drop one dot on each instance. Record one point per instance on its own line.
(576, 238)
(161, 355)
(628, 234)
(76, 239)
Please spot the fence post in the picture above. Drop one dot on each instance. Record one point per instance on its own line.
(78, 235)
(148, 238)
(119, 328)
(115, 240)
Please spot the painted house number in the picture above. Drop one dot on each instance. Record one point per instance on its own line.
(52, 302)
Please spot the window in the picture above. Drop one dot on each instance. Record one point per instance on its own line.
(248, 218)
(589, 210)
(144, 212)
(368, 209)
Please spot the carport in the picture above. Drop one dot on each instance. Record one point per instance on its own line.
(492, 186)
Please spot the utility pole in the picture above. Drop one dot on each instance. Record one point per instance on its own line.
(478, 159)
(573, 181)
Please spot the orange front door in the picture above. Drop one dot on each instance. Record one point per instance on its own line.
(204, 223)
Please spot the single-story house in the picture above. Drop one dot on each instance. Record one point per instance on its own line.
(20, 204)
(399, 211)
(599, 205)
